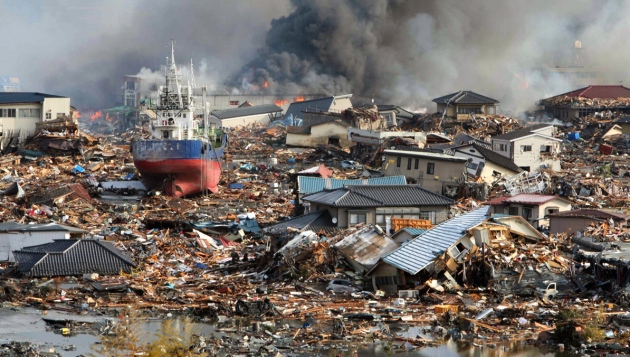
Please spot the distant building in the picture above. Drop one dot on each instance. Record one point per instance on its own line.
(588, 100)
(244, 115)
(332, 104)
(131, 91)
(464, 104)
(219, 101)
(23, 110)
(10, 84)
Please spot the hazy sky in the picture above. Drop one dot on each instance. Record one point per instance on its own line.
(404, 52)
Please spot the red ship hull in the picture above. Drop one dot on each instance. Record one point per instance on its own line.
(180, 177)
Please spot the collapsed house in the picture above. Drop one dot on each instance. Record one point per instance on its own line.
(72, 257)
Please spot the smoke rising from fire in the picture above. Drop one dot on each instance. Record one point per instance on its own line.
(403, 52)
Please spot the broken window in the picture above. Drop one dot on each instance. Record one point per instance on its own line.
(472, 165)
(387, 280)
(545, 148)
(430, 168)
(551, 210)
(234, 102)
(333, 141)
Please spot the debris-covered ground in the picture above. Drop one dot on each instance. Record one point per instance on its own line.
(209, 257)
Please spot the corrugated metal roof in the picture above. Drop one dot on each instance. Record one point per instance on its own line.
(308, 185)
(380, 196)
(25, 97)
(465, 97)
(366, 246)
(422, 250)
(245, 111)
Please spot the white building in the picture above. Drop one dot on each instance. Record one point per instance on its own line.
(530, 148)
(15, 236)
(22, 110)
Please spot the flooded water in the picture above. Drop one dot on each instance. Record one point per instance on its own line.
(26, 325)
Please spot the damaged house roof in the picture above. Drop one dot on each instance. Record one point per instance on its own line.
(516, 134)
(321, 104)
(366, 246)
(380, 196)
(465, 97)
(415, 255)
(64, 257)
(246, 111)
(316, 221)
(598, 92)
(495, 158)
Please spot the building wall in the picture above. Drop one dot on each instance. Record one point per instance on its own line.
(56, 107)
(239, 121)
(343, 213)
(16, 241)
(445, 172)
(568, 224)
(320, 134)
(490, 168)
(502, 147)
(538, 212)
(381, 271)
(533, 159)
(625, 128)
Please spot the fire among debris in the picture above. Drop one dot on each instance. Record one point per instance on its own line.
(96, 115)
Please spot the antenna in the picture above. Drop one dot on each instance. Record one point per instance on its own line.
(577, 54)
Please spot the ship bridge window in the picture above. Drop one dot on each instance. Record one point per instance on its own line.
(184, 115)
(165, 134)
(171, 121)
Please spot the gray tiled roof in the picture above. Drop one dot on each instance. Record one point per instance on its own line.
(380, 196)
(25, 97)
(422, 250)
(246, 111)
(465, 97)
(64, 257)
(315, 221)
(497, 158)
(520, 132)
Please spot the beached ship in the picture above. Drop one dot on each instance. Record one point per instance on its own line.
(179, 159)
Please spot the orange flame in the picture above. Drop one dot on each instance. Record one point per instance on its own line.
(266, 84)
(299, 99)
(281, 102)
(76, 115)
(96, 115)
(108, 118)
(523, 82)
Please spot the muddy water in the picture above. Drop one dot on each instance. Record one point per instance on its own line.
(26, 325)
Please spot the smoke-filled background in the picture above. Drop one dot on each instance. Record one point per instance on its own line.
(403, 52)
